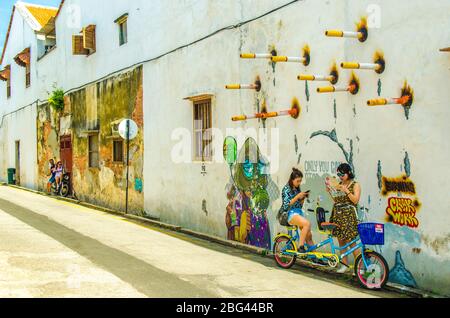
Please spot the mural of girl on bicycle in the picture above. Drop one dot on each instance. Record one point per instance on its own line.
(293, 200)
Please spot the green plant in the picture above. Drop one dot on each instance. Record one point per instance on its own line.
(56, 100)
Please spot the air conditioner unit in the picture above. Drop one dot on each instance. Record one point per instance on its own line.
(115, 127)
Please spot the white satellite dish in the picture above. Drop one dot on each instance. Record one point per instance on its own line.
(133, 129)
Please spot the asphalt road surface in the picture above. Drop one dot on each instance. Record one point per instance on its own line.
(51, 248)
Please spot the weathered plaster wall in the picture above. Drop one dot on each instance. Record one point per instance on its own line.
(334, 128)
(47, 142)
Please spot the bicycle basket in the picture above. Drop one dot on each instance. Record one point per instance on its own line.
(371, 233)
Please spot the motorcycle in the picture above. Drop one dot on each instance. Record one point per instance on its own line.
(64, 189)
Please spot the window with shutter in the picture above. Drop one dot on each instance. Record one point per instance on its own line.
(8, 87)
(123, 29)
(84, 43)
(89, 38)
(203, 150)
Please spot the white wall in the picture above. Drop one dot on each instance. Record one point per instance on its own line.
(410, 42)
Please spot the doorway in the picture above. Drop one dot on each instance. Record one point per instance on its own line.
(65, 147)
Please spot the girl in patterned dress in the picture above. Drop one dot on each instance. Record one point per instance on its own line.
(345, 209)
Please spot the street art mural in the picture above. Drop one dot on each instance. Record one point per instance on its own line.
(249, 193)
(406, 100)
(402, 211)
(402, 222)
(404, 205)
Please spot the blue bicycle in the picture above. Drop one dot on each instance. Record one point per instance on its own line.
(371, 268)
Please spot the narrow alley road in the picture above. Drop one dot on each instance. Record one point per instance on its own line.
(50, 248)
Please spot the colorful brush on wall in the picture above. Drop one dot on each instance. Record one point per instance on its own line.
(333, 78)
(362, 32)
(406, 99)
(353, 87)
(305, 59)
(255, 86)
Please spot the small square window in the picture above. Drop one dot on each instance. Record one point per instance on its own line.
(122, 22)
(118, 151)
(123, 33)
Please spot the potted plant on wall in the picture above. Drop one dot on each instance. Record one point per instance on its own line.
(57, 105)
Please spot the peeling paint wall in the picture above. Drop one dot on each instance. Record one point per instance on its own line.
(99, 107)
(47, 143)
(109, 101)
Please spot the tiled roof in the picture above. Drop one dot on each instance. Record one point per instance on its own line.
(42, 14)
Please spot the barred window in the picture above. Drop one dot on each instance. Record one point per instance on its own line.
(118, 151)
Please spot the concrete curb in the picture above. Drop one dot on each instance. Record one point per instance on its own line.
(255, 250)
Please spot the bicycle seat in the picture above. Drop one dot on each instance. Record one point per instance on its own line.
(329, 226)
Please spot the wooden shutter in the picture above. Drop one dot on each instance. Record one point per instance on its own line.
(89, 38)
(77, 45)
(23, 58)
(202, 130)
(5, 74)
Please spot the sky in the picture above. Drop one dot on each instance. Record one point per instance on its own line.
(5, 14)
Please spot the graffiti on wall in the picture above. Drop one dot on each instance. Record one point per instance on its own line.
(248, 195)
(317, 167)
(403, 203)
(398, 185)
(400, 275)
(402, 211)
(403, 206)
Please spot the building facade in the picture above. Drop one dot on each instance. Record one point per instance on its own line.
(165, 64)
